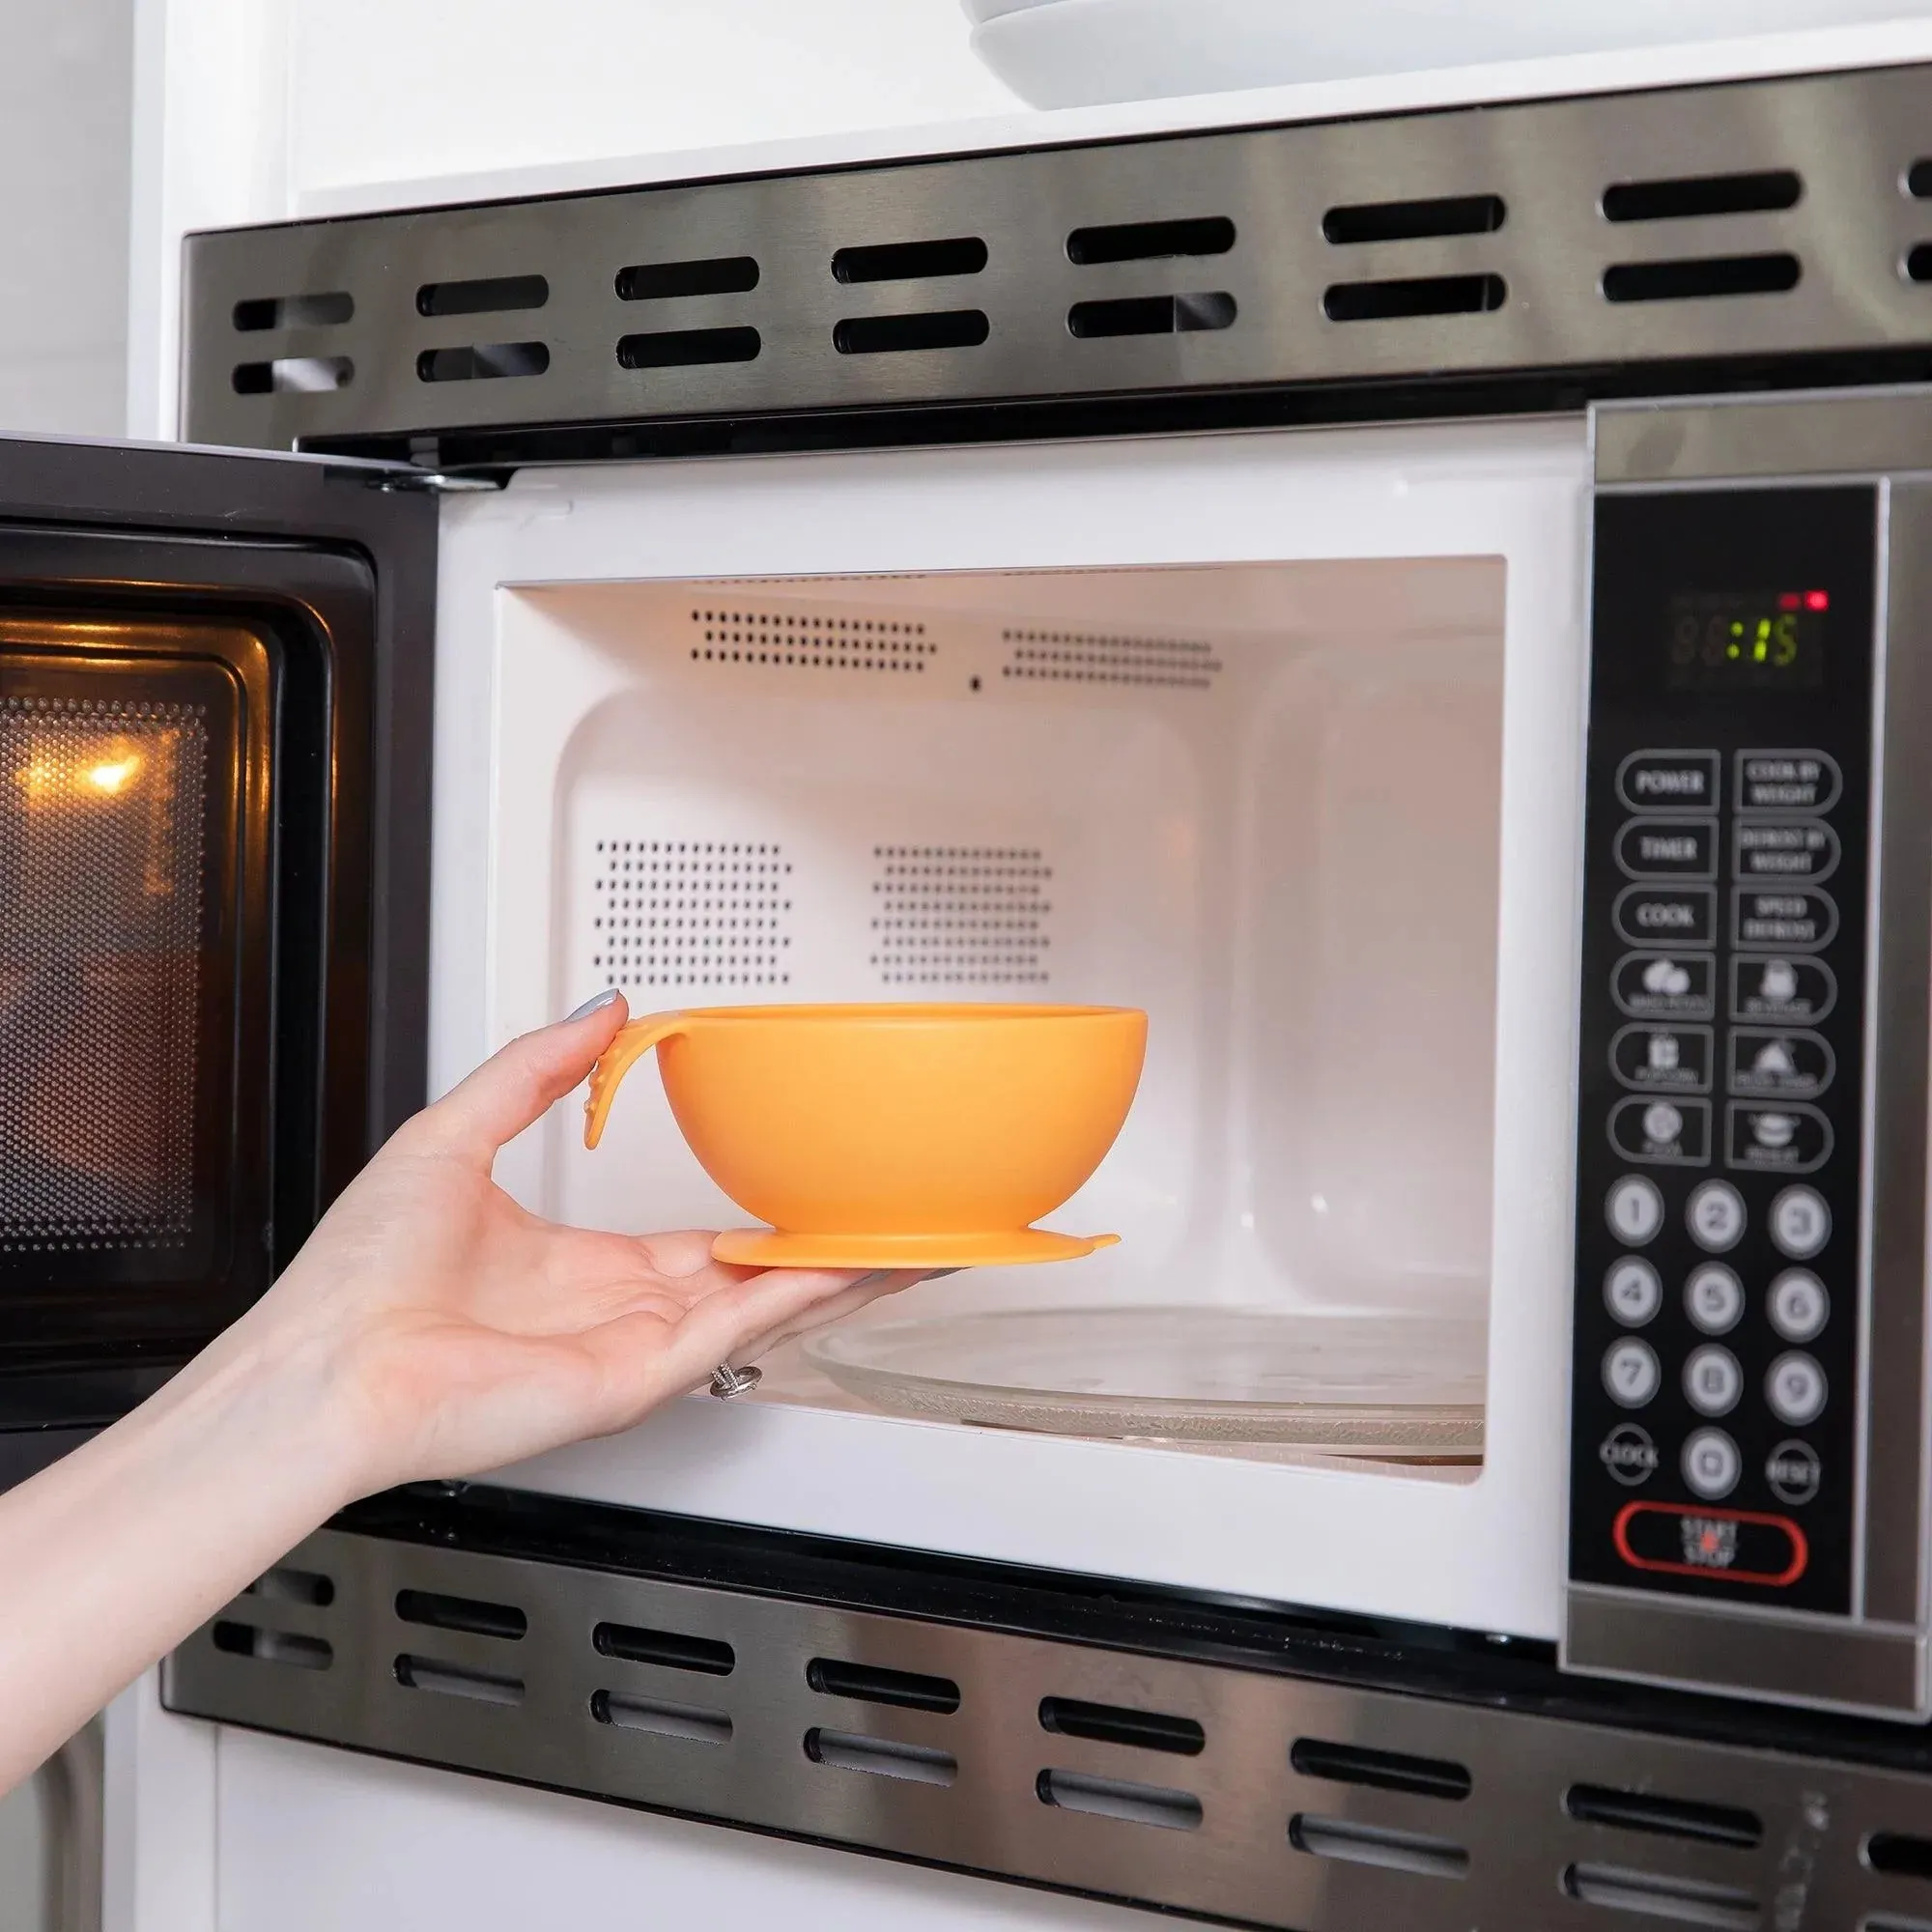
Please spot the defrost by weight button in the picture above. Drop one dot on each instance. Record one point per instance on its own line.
(1800, 849)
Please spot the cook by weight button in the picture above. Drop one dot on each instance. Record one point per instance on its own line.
(1662, 1133)
(1633, 1292)
(1788, 780)
(1667, 915)
(1795, 1388)
(1785, 1137)
(1799, 850)
(1662, 1060)
(1714, 1214)
(1801, 1224)
(1798, 1305)
(1714, 1298)
(1788, 921)
(1635, 1209)
(1793, 991)
(1713, 1382)
(1711, 1464)
(1669, 848)
(1665, 985)
(1631, 1373)
(1665, 780)
(1780, 1064)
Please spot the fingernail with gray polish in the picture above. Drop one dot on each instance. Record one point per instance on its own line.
(590, 1007)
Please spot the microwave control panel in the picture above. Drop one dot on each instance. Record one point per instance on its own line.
(1716, 1376)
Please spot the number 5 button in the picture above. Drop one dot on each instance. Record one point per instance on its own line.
(1631, 1373)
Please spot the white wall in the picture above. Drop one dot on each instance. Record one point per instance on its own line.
(65, 86)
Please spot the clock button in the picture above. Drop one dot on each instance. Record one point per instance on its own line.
(1716, 1217)
(1799, 1304)
(1714, 1298)
(1801, 1224)
(1795, 1388)
(1635, 1209)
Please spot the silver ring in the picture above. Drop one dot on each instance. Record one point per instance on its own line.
(727, 1381)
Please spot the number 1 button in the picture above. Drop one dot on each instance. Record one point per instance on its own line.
(1635, 1209)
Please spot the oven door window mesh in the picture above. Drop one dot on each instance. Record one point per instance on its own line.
(102, 835)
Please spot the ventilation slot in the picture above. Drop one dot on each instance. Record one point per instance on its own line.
(1076, 656)
(323, 311)
(1151, 241)
(482, 362)
(693, 1721)
(1151, 315)
(881, 1757)
(670, 282)
(1686, 1901)
(449, 1680)
(1413, 220)
(1900, 1854)
(690, 912)
(488, 294)
(866, 1685)
(1384, 1771)
(893, 335)
(1891, 1921)
(1112, 1724)
(1686, 199)
(1114, 1798)
(1712, 277)
(1423, 294)
(1359, 1844)
(294, 1586)
(305, 1653)
(669, 1650)
(910, 261)
(293, 376)
(1667, 1817)
(688, 348)
(460, 1613)
(815, 644)
(1919, 263)
(961, 915)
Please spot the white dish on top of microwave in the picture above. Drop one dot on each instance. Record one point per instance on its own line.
(1082, 53)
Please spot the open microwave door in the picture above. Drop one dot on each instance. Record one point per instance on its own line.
(214, 731)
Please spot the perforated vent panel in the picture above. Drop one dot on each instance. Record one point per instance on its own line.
(961, 915)
(697, 912)
(1080, 657)
(101, 831)
(810, 643)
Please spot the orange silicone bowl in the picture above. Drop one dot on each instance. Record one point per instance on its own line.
(891, 1136)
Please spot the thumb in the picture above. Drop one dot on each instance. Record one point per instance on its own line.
(515, 1086)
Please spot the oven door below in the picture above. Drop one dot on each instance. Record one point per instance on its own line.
(213, 749)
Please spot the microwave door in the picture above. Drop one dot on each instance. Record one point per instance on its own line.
(214, 700)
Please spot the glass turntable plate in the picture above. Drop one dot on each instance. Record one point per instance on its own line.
(1387, 1384)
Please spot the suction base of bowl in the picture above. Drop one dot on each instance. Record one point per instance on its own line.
(765, 1247)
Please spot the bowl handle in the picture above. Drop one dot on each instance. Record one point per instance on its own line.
(631, 1043)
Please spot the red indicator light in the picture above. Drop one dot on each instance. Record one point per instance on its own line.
(1790, 599)
(1817, 599)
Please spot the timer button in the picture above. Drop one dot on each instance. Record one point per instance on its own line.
(1801, 1224)
(1714, 1214)
(1635, 1209)
(1799, 1305)
(1669, 848)
(1669, 781)
(1795, 780)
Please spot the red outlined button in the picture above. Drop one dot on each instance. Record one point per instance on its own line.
(1695, 1540)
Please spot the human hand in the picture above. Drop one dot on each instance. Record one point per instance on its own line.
(439, 1329)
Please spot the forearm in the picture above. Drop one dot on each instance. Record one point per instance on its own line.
(114, 1554)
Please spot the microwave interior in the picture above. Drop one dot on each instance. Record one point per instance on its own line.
(1260, 801)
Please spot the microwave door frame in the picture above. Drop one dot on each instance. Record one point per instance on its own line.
(335, 549)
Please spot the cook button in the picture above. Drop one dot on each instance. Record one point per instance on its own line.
(1713, 1382)
(1714, 1298)
(1714, 1214)
(1795, 1388)
(1784, 921)
(1785, 1138)
(1662, 1060)
(1691, 1540)
(1631, 1373)
(1669, 781)
(1792, 1471)
(1669, 848)
(1799, 1304)
(1801, 1224)
(1662, 1133)
(1798, 781)
(1635, 1209)
(1793, 991)
(1665, 985)
(1667, 916)
(1711, 1464)
(1783, 849)
(1779, 1065)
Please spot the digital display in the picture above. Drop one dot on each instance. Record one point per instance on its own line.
(1730, 640)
